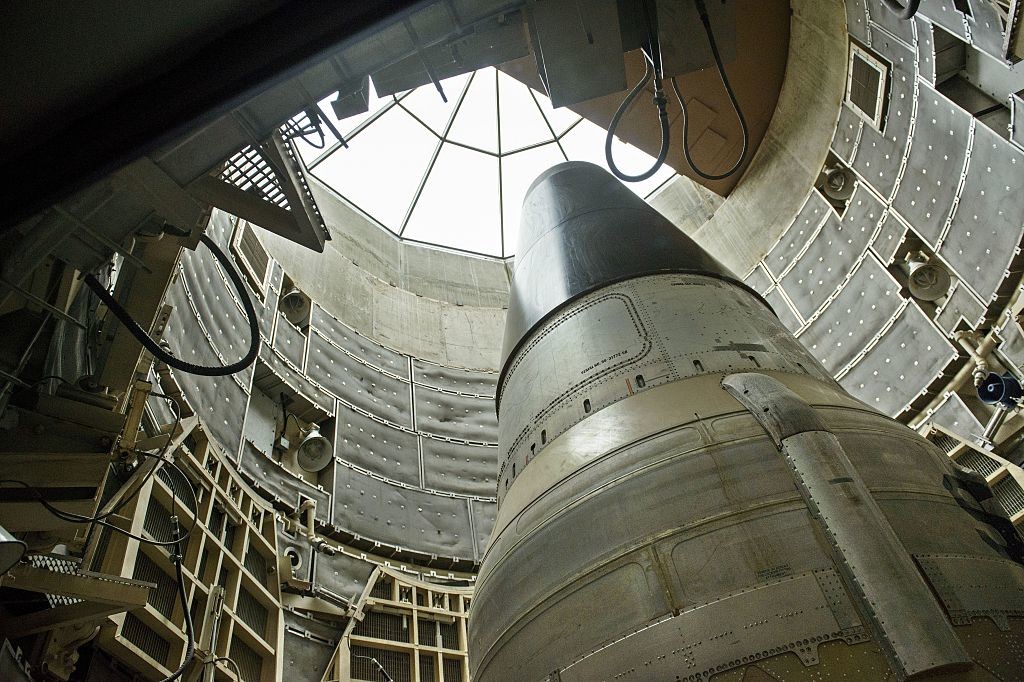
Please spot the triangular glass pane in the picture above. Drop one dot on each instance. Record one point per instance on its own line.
(459, 204)
(345, 126)
(476, 122)
(518, 171)
(425, 102)
(585, 142)
(382, 167)
(561, 119)
(522, 124)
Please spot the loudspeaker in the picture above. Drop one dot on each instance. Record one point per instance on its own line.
(1002, 390)
(295, 306)
(928, 281)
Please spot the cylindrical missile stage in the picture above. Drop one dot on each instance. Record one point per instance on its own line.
(686, 493)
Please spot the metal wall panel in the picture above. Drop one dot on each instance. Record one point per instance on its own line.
(883, 18)
(477, 382)
(483, 523)
(342, 575)
(934, 165)
(925, 50)
(890, 236)
(880, 154)
(945, 14)
(273, 373)
(459, 468)
(886, 378)
(377, 447)
(219, 401)
(275, 483)
(402, 517)
(361, 385)
(832, 253)
(986, 28)
(783, 309)
(954, 415)
(857, 20)
(216, 315)
(290, 342)
(308, 645)
(859, 312)
(847, 135)
(358, 345)
(758, 279)
(1017, 119)
(814, 212)
(961, 304)
(986, 228)
(1013, 343)
(456, 416)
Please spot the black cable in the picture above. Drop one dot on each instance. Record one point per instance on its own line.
(190, 647)
(177, 363)
(234, 666)
(73, 517)
(98, 519)
(903, 11)
(705, 19)
(652, 71)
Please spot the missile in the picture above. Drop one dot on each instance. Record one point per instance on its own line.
(685, 493)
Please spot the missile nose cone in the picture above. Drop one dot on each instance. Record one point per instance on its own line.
(582, 229)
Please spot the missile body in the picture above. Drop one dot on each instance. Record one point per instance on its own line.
(685, 492)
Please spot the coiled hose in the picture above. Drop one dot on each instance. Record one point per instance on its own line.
(172, 361)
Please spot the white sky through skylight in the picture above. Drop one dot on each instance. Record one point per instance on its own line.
(455, 174)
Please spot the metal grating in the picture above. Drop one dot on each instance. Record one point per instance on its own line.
(217, 520)
(449, 635)
(427, 631)
(946, 443)
(230, 530)
(163, 597)
(253, 256)
(976, 461)
(384, 626)
(56, 564)
(158, 521)
(382, 590)
(398, 664)
(204, 563)
(452, 670)
(145, 638)
(249, 170)
(866, 85)
(249, 662)
(256, 564)
(252, 612)
(428, 671)
(1010, 495)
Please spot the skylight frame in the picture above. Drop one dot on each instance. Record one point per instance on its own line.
(441, 139)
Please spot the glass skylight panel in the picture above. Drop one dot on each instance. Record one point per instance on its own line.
(426, 104)
(518, 171)
(476, 123)
(433, 171)
(522, 124)
(366, 172)
(459, 204)
(309, 152)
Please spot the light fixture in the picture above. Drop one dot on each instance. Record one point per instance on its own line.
(315, 452)
(839, 184)
(295, 306)
(11, 550)
(928, 281)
